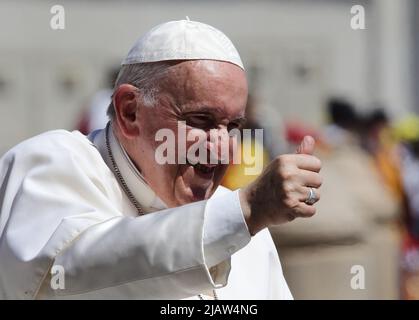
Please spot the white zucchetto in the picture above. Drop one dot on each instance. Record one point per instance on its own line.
(183, 40)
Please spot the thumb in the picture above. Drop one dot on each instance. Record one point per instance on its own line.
(306, 146)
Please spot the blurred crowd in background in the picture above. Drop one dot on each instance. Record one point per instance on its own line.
(369, 202)
(368, 215)
(354, 91)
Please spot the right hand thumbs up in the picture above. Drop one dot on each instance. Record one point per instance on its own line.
(306, 146)
(280, 193)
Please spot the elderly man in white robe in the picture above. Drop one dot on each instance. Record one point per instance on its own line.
(116, 224)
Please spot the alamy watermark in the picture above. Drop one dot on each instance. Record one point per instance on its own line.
(358, 18)
(57, 277)
(212, 148)
(57, 21)
(358, 278)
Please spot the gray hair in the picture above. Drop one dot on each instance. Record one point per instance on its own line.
(143, 76)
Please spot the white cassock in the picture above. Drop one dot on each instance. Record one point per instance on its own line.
(62, 206)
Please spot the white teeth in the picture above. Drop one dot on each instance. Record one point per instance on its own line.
(205, 168)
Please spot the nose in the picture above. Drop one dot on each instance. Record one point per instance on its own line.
(218, 145)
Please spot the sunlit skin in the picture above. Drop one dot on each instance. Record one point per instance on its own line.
(211, 95)
(206, 95)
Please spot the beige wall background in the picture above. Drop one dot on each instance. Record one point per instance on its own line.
(296, 52)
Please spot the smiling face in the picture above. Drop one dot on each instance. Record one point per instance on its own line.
(203, 94)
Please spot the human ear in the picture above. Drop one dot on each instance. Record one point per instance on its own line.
(126, 103)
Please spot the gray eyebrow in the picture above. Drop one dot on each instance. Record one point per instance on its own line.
(203, 108)
(209, 109)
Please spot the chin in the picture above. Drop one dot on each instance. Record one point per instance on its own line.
(191, 187)
(193, 194)
(204, 194)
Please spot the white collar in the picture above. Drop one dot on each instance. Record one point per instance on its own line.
(139, 188)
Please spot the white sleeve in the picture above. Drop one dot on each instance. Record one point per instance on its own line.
(56, 212)
(225, 230)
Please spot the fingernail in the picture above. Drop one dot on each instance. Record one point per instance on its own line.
(305, 143)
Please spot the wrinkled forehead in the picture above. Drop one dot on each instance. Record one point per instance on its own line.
(206, 84)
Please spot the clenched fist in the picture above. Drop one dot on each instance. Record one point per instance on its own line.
(281, 192)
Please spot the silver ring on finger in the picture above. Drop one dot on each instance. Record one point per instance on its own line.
(312, 198)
